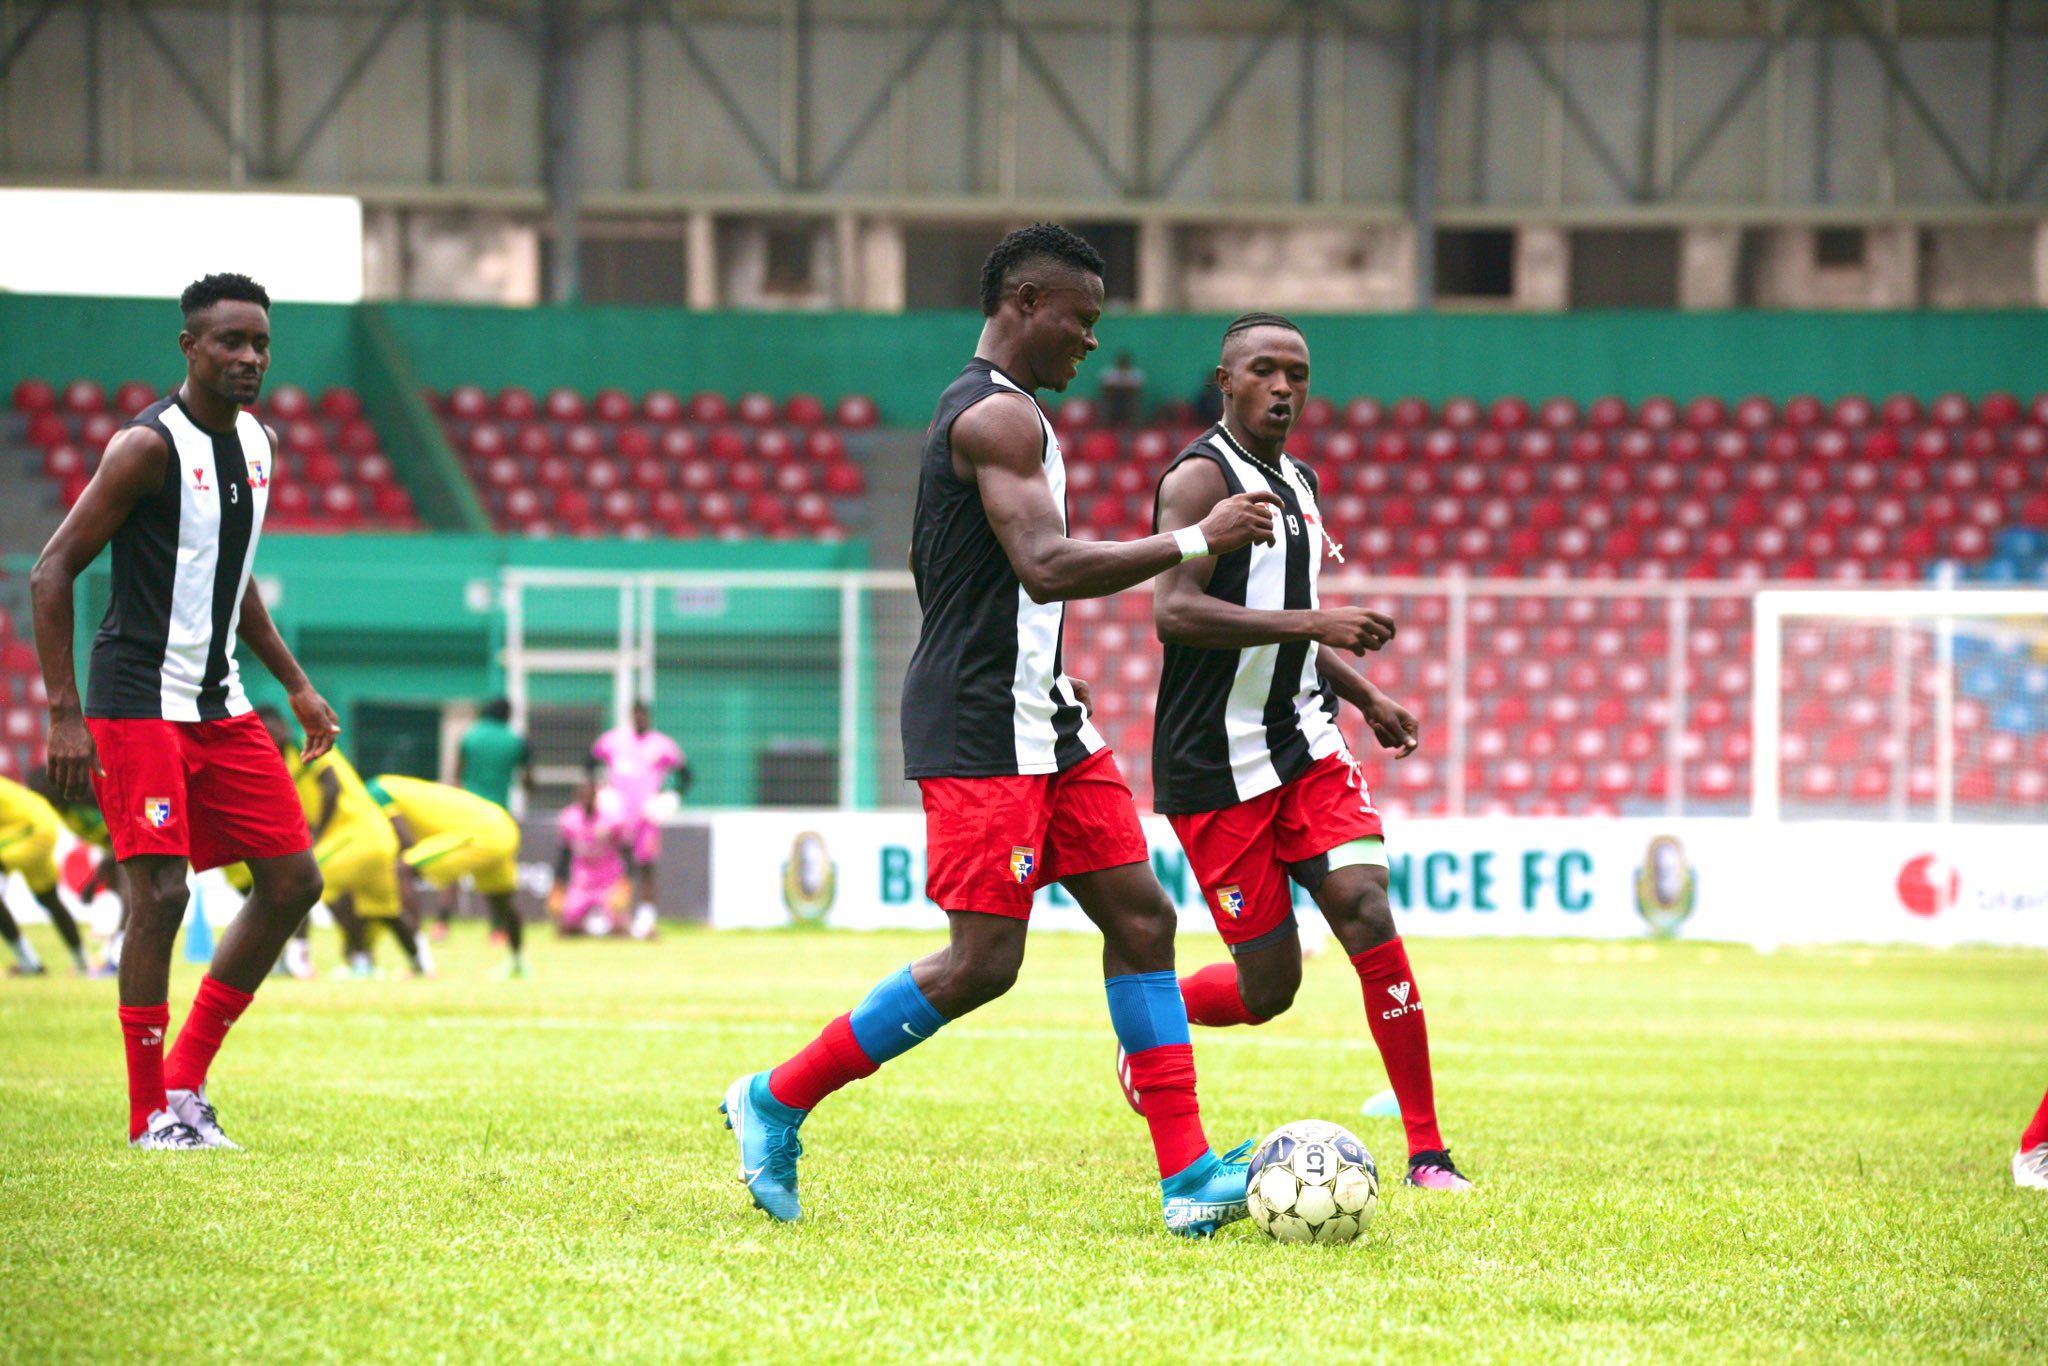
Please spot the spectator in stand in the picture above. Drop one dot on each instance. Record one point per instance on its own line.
(1123, 392)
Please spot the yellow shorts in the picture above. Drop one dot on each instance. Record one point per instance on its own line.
(30, 850)
(360, 861)
(488, 856)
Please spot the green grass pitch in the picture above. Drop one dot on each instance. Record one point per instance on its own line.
(1685, 1153)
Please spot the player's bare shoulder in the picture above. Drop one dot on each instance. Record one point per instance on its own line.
(1002, 429)
(137, 456)
(1193, 486)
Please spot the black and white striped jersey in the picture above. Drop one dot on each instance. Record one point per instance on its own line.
(166, 648)
(1232, 724)
(984, 695)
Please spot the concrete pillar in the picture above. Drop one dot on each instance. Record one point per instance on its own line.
(1158, 270)
(701, 256)
(1708, 261)
(1543, 269)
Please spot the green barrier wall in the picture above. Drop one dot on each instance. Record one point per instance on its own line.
(904, 360)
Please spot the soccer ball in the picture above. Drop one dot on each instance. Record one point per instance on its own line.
(1312, 1182)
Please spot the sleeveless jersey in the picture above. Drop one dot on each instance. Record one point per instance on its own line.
(166, 647)
(1231, 724)
(984, 696)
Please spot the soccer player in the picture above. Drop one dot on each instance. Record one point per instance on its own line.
(445, 835)
(356, 848)
(639, 761)
(2030, 1163)
(490, 756)
(28, 845)
(83, 819)
(1247, 762)
(186, 776)
(590, 870)
(1018, 788)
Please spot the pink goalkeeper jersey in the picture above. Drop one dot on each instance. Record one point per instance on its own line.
(593, 839)
(637, 764)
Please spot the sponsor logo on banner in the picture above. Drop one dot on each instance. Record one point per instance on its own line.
(1023, 862)
(1928, 886)
(810, 879)
(1230, 901)
(1666, 886)
(157, 811)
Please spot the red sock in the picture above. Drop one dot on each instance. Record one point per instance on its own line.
(142, 1030)
(214, 1011)
(1393, 1011)
(2037, 1132)
(826, 1063)
(1213, 998)
(1166, 1077)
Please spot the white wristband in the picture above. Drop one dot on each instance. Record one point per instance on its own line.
(1193, 544)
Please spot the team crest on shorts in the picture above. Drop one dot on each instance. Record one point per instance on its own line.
(157, 811)
(1230, 901)
(1023, 861)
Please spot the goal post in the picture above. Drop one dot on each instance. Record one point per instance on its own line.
(1892, 685)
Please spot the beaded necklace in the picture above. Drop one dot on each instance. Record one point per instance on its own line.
(1286, 475)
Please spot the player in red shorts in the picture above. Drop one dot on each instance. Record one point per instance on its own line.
(1019, 790)
(1247, 761)
(2030, 1163)
(185, 773)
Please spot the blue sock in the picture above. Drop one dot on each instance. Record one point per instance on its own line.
(896, 1018)
(1146, 1011)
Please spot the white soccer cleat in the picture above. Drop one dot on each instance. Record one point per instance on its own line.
(643, 922)
(2030, 1168)
(168, 1133)
(298, 960)
(193, 1111)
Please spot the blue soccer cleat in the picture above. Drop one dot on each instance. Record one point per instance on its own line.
(1208, 1194)
(765, 1129)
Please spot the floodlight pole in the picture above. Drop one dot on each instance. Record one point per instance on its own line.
(561, 33)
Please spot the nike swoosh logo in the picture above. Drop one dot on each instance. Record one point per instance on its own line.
(914, 1034)
(748, 1176)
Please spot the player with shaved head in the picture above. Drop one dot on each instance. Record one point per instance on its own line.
(1247, 762)
(1019, 789)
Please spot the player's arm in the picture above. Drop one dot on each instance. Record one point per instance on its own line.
(132, 468)
(1002, 442)
(1393, 725)
(329, 787)
(1184, 613)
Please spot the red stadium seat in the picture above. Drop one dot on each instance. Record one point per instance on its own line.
(338, 404)
(34, 396)
(824, 446)
(516, 404)
(612, 405)
(468, 402)
(661, 407)
(1362, 414)
(755, 409)
(856, 412)
(1411, 413)
(564, 405)
(708, 408)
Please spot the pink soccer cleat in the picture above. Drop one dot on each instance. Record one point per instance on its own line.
(1432, 1171)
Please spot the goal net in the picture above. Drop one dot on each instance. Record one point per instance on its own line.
(1913, 704)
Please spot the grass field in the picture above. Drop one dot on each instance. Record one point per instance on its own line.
(1685, 1153)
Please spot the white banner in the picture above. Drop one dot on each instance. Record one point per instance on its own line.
(1701, 879)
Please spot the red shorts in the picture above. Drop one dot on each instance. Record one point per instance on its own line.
(215, 792)
(991, 842)
(1240, 854)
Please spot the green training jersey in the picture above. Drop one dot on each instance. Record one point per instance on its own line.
(491, 754)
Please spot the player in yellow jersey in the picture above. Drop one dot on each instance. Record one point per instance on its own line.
(447, 835)
(84, 821)
(356, 848)
(28, 845)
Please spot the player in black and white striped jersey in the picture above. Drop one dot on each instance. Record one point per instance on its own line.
(1248, 764)
(185, 773)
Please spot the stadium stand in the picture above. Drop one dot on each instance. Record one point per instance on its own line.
(1569, 696)
(332, 477)
(568, 464)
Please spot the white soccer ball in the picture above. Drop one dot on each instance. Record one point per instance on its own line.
(1312, 1182)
